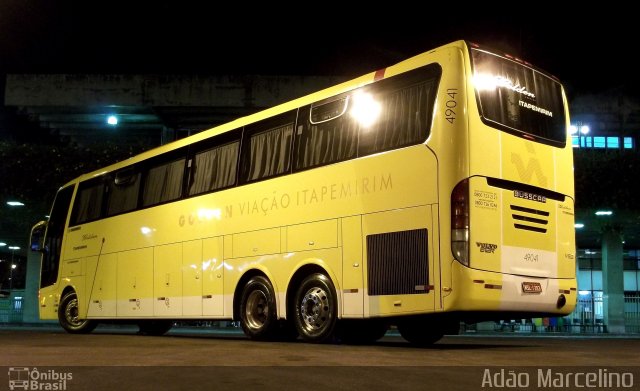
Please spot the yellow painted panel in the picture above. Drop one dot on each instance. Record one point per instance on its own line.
(72, 268)
(566, 239)
(192, 276)
(213, 276)
(228, 246)
(135, 283)
(48, 302)
(102, 290)
(352, 267)
(485, 236)
(395, 221)
(527, 162)
(266, 241)
(167, 284)
(320, 234)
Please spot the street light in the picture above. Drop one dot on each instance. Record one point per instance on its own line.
(579, 132)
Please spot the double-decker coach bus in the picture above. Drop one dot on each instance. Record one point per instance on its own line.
(434, 191)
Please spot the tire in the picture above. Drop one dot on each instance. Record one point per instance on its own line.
(361, 332)
(420, 332)
(258, 316)
(316, 308)
(154, 327)
(68, 316)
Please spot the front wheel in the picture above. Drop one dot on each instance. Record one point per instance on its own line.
(316, 308)
(69, 316)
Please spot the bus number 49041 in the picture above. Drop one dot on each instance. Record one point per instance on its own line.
(449, 112)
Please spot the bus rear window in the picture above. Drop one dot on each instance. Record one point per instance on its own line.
(518, 99)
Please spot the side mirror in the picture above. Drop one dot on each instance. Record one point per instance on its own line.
(37, 236)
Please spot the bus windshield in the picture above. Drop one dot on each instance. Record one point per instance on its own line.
(518, 99)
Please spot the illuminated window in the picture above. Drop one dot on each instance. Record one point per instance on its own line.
(628, 142)
(613, 142)
(575, 141)
(599, 142)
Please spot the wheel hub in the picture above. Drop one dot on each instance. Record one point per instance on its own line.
(71, 313)
(314, 309)
(257, 309)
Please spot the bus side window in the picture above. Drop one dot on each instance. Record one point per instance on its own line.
(122, 191)
(163, 180)
(406, 105)
(88, 203)
(266, 150)
(214, 168)
(325, 134)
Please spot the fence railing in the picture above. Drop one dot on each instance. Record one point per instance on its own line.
(11, 309)
(587, 318)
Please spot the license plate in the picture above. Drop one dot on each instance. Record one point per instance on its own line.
(531, 287)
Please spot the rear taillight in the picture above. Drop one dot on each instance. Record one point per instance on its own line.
(460, 222)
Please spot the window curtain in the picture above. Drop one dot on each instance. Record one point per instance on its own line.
(214, 168)
(89, 204)
(163, 183)
(327, 142)
(270, 152)
(123, 197)
(404, 119)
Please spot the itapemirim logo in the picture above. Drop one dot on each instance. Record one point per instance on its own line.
(24, 378)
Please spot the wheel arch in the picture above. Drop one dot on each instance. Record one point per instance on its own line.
(67, 289)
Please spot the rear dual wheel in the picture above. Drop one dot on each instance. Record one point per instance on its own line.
(316, 308)
(258, 316)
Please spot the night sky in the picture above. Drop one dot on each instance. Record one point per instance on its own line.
(587, 52)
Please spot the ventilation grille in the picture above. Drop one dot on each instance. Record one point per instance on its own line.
(398, 263)
(529, 219)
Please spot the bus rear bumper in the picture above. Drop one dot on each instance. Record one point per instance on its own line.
(479, 290)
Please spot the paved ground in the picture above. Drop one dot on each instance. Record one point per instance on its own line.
(191, 359)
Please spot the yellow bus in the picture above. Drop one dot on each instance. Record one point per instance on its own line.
(430, 192)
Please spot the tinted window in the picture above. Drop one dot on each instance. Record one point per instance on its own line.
(389, 114)
(214, 168)
(88, 203)
(517, 98)
(163, 182)
(122, 191)
(53, 238)
(267, 148)
(325, 134)
(405, 109)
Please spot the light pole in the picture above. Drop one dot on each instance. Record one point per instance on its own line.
(13, 266)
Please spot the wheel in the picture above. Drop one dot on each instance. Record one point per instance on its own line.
(316, 308)
(258, 316)
(360, 332)
(155, 326)
(68, 315)
(420, 332)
